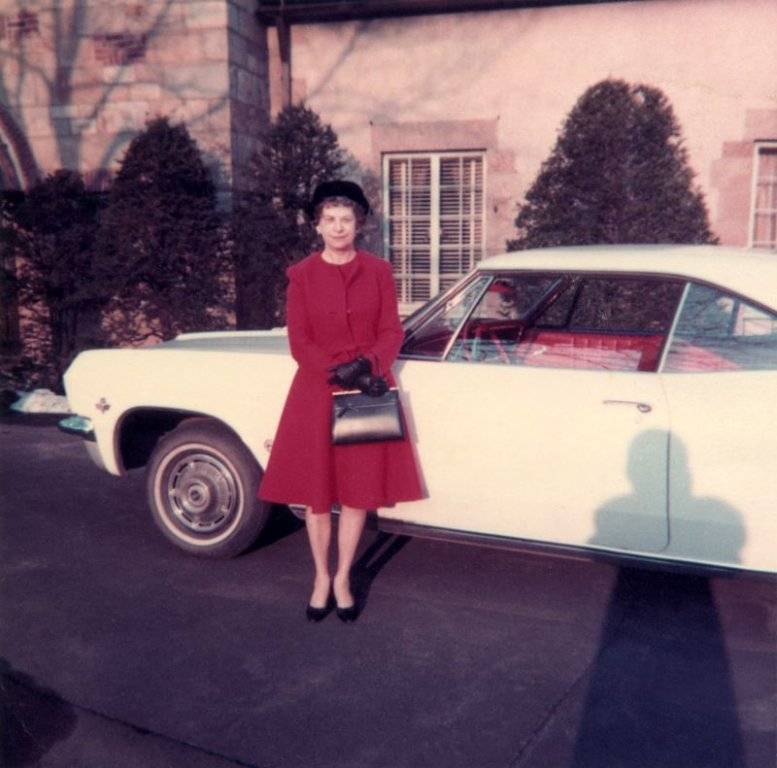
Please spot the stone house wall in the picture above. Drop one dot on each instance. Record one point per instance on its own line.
(389, 84)
(79, 80)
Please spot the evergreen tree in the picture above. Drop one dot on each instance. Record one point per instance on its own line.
(269, 227)
(57, 223)
(299, 153)
(263, 245)
(619, 173)
(160, 253)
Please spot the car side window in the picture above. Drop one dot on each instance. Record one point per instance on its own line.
(611, 323)
(494, 328)
(625, 304)
(720, 332)
(431, 335)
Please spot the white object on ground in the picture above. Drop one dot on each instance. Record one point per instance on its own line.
(40, 401)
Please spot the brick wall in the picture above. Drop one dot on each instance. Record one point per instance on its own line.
(18, 26)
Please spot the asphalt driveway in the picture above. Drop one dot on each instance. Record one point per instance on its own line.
(119, 650)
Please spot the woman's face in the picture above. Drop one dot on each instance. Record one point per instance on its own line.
(337, 226)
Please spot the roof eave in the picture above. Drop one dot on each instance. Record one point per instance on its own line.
(345, 10)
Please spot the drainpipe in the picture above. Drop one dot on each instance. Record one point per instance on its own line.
(284, 48)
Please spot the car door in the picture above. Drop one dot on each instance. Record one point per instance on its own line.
(552, 428)
(720, 375)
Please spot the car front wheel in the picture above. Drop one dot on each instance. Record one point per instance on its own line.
(201, 484)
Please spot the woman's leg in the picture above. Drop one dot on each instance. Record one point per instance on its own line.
(349, 531)
(319, 527)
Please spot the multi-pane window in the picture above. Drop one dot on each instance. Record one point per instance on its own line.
(763, 226)
(435, 218)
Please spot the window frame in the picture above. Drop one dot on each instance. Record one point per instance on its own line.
(671, 335)
(569, 276)
(757, 147)
(434, 156)
(426, 311)
(421, 315)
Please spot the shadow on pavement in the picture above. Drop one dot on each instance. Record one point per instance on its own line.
(33, 719)
(660, 691)
(280, 524)
(371, 562)
(36, 420)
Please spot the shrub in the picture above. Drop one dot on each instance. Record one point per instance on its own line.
(618, 173)
(161, 259)
(269, 227)
(54, 236)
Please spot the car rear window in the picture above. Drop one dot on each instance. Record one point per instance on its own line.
(717, 331)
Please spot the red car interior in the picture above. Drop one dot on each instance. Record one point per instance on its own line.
(568, 349)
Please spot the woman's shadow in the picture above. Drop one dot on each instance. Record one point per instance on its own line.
(660, 690)
(371, 562)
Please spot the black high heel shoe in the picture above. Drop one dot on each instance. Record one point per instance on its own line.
(319, 614)
(347, 615)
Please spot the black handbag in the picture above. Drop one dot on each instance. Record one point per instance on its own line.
(359, 418)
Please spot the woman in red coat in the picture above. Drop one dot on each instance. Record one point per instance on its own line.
(344, 332)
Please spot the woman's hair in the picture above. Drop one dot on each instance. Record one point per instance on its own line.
(358, 211)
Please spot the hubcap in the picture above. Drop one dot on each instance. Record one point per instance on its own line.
(202, 492)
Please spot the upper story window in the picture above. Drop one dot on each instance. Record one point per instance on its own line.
(763, 223)
(435, 220)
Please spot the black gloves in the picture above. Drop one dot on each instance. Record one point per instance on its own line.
(345, 374)
(358, 373)
(374, 386)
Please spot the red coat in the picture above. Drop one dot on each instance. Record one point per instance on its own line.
(335, 313)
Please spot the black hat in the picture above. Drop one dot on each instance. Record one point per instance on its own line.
(337, 188)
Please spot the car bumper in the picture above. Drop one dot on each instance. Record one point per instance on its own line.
(78, 425)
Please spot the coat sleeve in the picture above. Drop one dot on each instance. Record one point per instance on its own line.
(389, 335)
(304, 350)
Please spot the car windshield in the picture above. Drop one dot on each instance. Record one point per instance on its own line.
(430, 330)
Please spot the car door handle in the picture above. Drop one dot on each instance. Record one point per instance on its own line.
(641, 407)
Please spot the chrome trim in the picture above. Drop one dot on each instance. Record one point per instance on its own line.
(669, 338)
(455, 335)
(418, 317)
(561, 551)
(78, 425)
(641, 407)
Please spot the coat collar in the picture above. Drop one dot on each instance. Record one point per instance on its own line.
(325, 267)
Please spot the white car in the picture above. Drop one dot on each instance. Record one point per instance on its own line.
(617, 400)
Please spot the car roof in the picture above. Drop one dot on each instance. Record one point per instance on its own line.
(751, 273)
